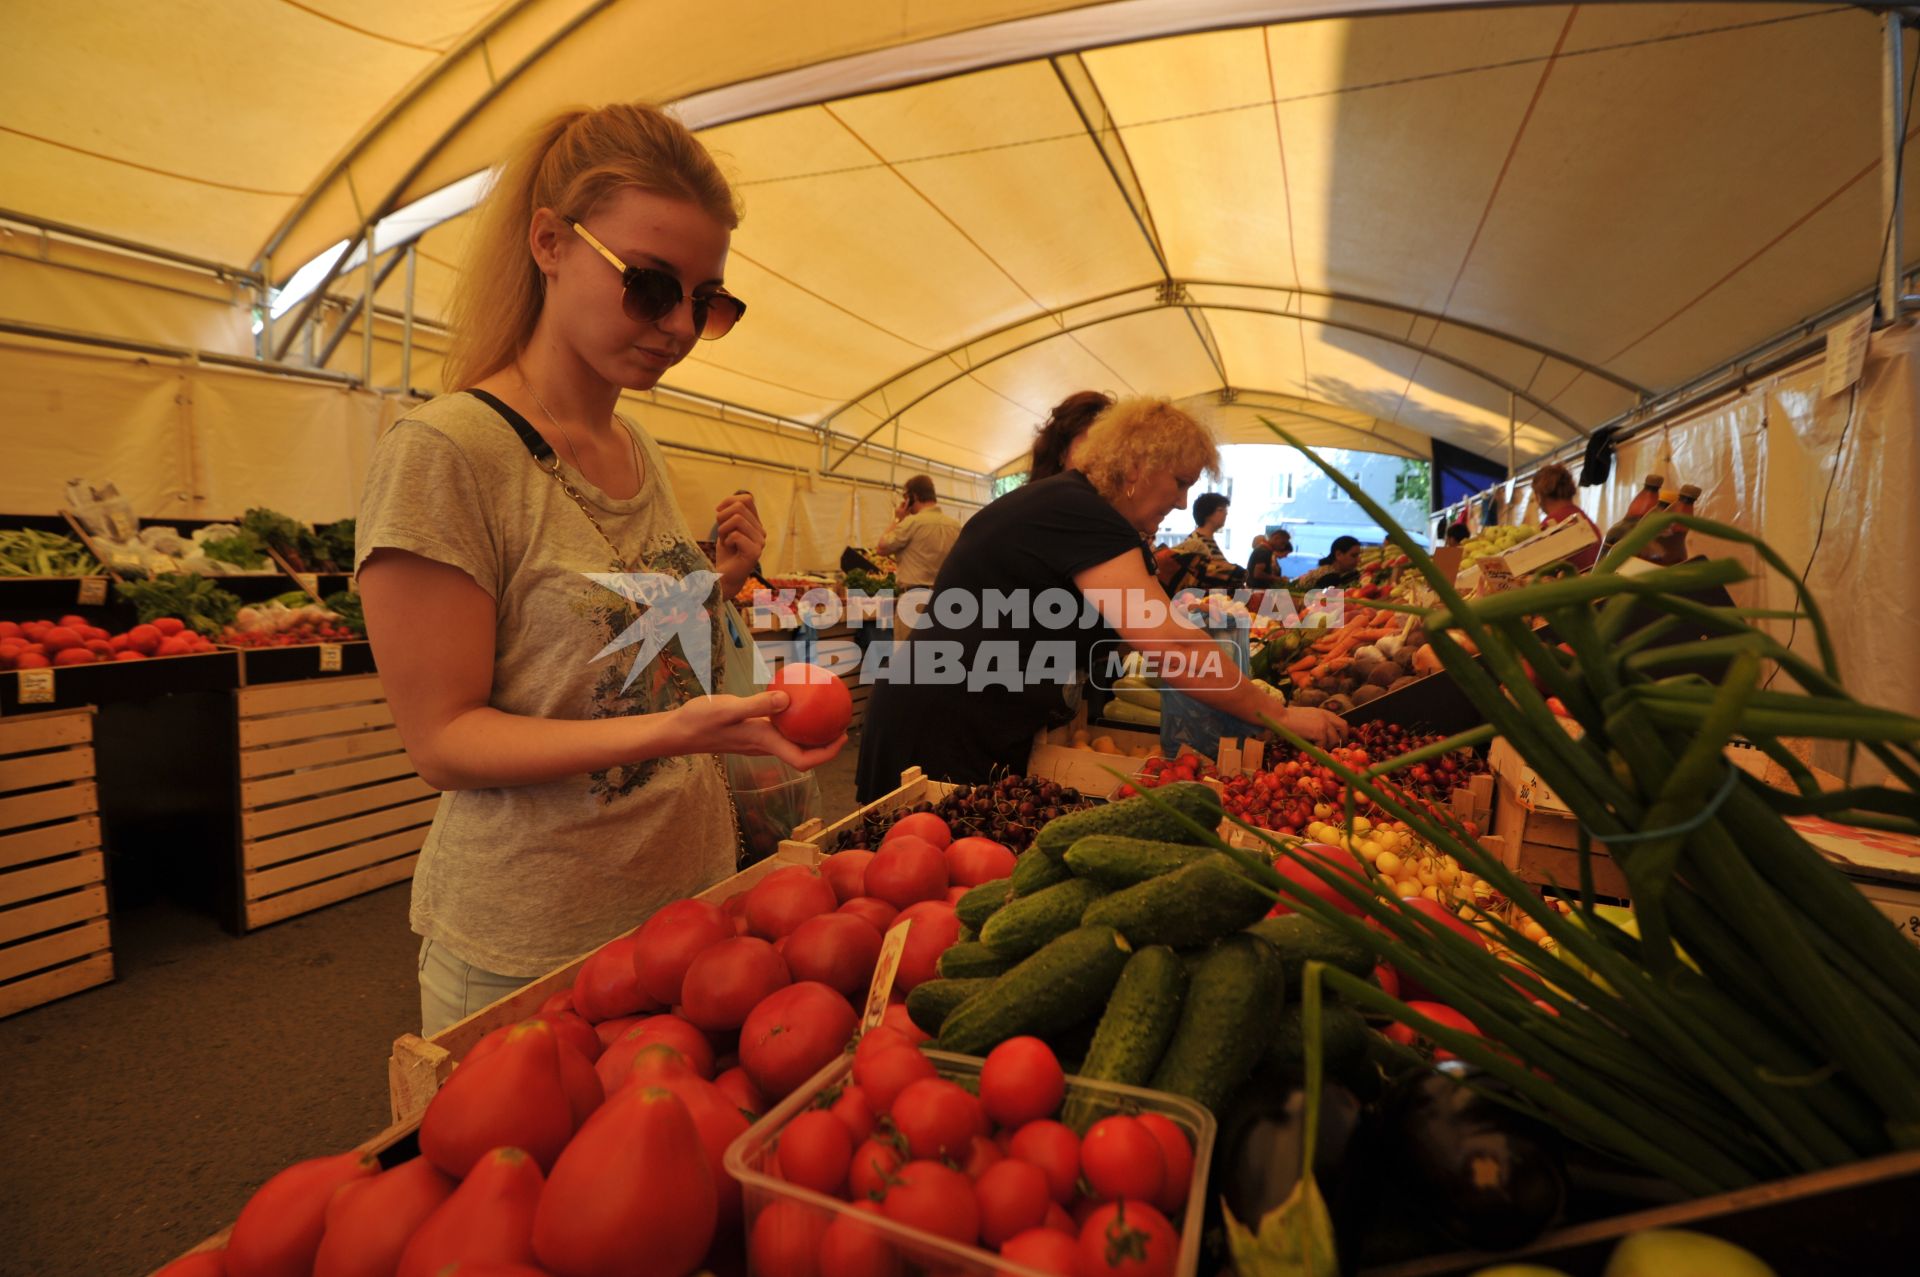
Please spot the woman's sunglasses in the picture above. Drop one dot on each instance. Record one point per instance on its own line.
(651, 295)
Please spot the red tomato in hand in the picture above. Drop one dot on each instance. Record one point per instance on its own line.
(1127, 1239)
(972, 861)
(934, 1198)
(819, 706)
(1055, 1150)
(920, 824)
(837, 949)
(1121, 1159)
(907, 870)
(1021, 1082)
(815, 1152)
(792, 1034)
(1013, 1197)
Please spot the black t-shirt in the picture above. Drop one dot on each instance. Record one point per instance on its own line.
(1030, 544)
(1261, 559)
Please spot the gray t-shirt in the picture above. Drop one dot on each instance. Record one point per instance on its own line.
(519, 881)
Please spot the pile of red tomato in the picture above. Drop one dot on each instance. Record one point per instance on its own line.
(73, 640)
(902, 1143)
(588, 1139)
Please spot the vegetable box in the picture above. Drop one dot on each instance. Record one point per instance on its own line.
(750, 1159)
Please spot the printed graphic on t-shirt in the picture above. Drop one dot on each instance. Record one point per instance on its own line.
(665, 682)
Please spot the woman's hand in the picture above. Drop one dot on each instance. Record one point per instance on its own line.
(1316, 725)
(742, 725)
(738, 540)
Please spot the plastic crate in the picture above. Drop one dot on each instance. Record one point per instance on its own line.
(749, 1156)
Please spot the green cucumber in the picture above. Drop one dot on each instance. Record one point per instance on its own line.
(1029, 922)
(973, 959)
(1226, 1023)
(1299, 939)
(1142, 816)
(1116, 860)
(1142, 1013)
(932, 1002)
(1208, 899)
(1064, 984)
(1034, 871)
(983, 901)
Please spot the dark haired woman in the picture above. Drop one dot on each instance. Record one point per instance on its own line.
(1338, 570)
(1553, 488)
(1054, 448)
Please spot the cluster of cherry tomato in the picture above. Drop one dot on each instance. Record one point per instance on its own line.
(292, 636)
(1292, 790)
(73, 640)
(900, 1142)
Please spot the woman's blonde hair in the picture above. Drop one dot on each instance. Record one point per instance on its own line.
(1138, 435)
(569, 164)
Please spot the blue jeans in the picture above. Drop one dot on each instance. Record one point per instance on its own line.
(451, 988)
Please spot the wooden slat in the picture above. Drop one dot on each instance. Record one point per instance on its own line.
(312, 811)
(273, 851)
(286, 905)
(278, 698)
(33, 770)
(47, 915)
(334, 749)
(273, 731)
(45, 731)
(49, 804)
(50, 951)
(51, 840)
(58, 983)
(55, 875)
(322, 780)
(328, 864)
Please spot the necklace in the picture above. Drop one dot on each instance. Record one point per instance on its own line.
(565, 436)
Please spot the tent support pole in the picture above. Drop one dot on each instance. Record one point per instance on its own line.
(406, 324)
(1893, 65)
(263, 344)
(1513, 412)
(366, 308)
(352, 314)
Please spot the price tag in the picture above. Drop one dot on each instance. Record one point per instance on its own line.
(125, 528)
(1846, 352)
(36, 688)
(308, 581)
(165, 563)
(329, 658)
(126, 559)
(93, 591)
(881, 989)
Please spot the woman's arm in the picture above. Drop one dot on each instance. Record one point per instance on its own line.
(1126, 594)
(432, 632)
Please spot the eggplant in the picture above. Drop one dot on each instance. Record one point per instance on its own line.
(1487, 1176)
(1256, 1161)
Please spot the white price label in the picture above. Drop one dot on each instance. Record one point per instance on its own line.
(329, 658)
(93, 591)
(881, 989)
(308, 581)
(164, 564)
(1846, 356)
(36, 687)
(125, 559)
(124, 527)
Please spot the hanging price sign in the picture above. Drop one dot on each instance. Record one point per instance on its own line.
(883, 972)
(329, 658)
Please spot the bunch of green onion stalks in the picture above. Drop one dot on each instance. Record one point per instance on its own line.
(1786, 1036)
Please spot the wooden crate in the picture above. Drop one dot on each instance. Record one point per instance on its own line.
(914, 789)
(330, 806)
(54, 935)
(418, 1066)
(1055, 757)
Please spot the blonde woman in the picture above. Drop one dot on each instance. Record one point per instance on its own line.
(1034, 586)
(581, 793)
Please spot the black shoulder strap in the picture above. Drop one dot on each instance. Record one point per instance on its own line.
(537, 446)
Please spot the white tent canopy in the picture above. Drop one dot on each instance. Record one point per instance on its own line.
(958, 212)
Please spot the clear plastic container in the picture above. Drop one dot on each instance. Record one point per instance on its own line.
(749, 1157)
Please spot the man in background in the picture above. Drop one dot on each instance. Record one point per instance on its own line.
(919, 539)
(1201, 562)
(1263, 572)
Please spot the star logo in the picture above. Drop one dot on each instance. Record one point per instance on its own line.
(670, 608)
